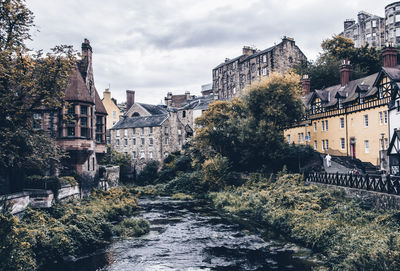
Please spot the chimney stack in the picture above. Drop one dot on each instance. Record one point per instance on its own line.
(248, 51)
(306, 84)
(107, 94)
(389, 56)
(130, 99)
(345, 72)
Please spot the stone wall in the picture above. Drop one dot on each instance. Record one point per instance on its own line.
(369, 199)
(17, 202)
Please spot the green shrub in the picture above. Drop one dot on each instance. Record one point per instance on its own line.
(186, 183)
(149, 174)
(130, 227)
(217, 173)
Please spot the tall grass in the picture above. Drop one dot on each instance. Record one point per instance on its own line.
(350, 237)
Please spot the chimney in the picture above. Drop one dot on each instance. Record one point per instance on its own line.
(345, 72)
(306, 84)
(187, 94)
(389, 56)
(248, 51)
(130, 99)
(106, 94)
(168, 99)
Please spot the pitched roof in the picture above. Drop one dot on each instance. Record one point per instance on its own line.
(393, 73)
(154, 109)
(76, 89)
(139, 122)
(99, 104)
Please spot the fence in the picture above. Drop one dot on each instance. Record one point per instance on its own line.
(386, 184)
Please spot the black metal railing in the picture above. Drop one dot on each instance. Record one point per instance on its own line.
(384, 184)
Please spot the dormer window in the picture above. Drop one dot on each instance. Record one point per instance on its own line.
(340, 103)
(361, 100)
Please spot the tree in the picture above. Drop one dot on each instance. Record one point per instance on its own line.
(30, 82)
(324, 72)
(249, 131)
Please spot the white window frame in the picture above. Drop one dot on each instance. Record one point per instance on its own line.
(341, 123)
(366, 146)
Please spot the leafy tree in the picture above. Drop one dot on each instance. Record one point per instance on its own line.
(324, 72)
(30, 82)
(149, 173)
(249, 131)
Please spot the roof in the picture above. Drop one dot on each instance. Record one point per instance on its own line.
(139, 122)
(76, 89)
(154, 109)
(349, 92)
(99, 104)
(393, 73)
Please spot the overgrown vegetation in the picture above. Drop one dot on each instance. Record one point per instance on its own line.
(350, 237)
(74, 228)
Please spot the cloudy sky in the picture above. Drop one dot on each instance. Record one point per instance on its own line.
(157, 46)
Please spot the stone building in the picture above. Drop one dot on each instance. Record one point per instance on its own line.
(352, 118)
(148, 132)
(232, 76)
(373, 29)
(80, 126)
(369, 29)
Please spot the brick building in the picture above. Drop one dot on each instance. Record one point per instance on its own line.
(232, 76)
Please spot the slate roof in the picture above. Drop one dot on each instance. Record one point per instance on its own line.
(139, 122)
(154, 109)
(393, 73)
(76, 89)
(99, 104)
(348, 92)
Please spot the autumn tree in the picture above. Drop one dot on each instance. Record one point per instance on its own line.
(324, 72)
(30, 82)
(249, 131)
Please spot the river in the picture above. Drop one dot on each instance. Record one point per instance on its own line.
(187, 235)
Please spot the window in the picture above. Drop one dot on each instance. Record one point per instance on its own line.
(326, 125)
(71, 110)
(299, 138)
(380, 118)
(391, 19)
(183, 114)
(323, 126)
(397, 31)
(342, 144)
(386, 143)
(133, 131)
(117, 142)
(142, 141)
(315, 126)
(142, 131)
(84, 127)
(326, 144)
(142, 154)
(179, 131)
(366, 144)
(125, 132)
(83, 110)
(366, 120)
(37, 121)
(397, 18)
(166, 130)
(361, 100)
(134, 155)
(315, 145)
(340, 103)
(341, 123)
(166, 141)
(150, 141)
(117, 133)
(323, 145)
(381, 144)
(385, 117)
(114, 114)
(368, 25)
(150, 130)
(150, 154)
(264, 71)
(70, 131)
(134, 141)
(373, 23)
(179, 141)
(258, 72)
(126, 142)
(264, 58)
(288, 139)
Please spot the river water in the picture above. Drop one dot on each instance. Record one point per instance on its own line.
(187, 235)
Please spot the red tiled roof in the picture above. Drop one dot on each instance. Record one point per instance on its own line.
(77, 90)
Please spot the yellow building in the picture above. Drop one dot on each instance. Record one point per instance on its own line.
(350, 119)
(112, 109)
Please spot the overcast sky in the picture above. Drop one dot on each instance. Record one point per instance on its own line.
(154, 47)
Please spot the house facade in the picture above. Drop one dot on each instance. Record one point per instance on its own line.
(351, 119)
(232, 76)
(80, 126)
(113, 111)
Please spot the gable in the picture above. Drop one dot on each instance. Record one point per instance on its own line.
(137, 110)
